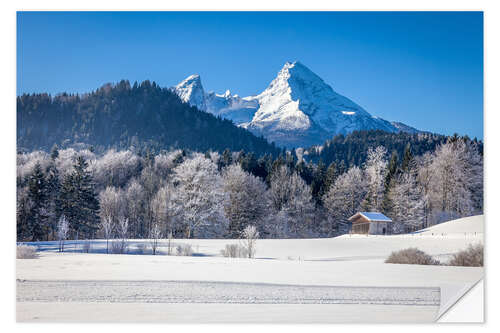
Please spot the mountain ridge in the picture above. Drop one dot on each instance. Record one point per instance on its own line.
(297, 109)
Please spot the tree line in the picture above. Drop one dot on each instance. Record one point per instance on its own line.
(178, 193)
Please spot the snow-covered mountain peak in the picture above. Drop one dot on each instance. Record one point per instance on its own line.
(226, 105)
(190, 90)
(298, 99)
(192, 81)
(296, 70)
(297, 109)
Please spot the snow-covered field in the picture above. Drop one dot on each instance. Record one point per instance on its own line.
(333, 276)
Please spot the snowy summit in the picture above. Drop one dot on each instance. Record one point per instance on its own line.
(297, 109)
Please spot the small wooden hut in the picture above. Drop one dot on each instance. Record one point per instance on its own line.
(370, 223)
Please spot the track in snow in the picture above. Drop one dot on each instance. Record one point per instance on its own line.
(218, 292)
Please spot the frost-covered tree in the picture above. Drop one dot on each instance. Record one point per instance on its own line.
(375, 172)
(456, 180)
(164, 163)
(245, 200)
(150, 182)
(134, 206)
(26, 163)
(122, 228)
(215, 157)
(62, 231)
(164, 208)
(116, 168)
(66, 159)
(424, 181)
(475, 176)
(407, 205)
(291, 200)
(199, 198)
(111, 206)
(346, 195)
(250, 236)
(154, 236)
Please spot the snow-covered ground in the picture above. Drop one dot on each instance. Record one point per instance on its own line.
(467, 226)
(298, 268)
(222, 313)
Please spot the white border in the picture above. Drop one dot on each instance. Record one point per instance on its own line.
(8, 91)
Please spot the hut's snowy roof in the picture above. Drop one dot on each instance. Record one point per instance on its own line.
(373, 216)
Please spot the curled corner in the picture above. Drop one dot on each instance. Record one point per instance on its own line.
(451, 294)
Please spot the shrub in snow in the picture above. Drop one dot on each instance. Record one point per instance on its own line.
(412, 256)
(119, 247)
(234, 251)
(26, 252)
(471, 257)
(154, 236)
(169, 243)
(184, 250)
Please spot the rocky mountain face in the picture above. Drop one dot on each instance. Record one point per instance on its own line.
(297, 109)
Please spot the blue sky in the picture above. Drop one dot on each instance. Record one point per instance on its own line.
(421, 68)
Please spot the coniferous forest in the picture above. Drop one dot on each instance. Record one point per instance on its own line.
(143, 116)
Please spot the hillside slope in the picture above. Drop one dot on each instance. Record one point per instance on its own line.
(121, 116)
(466, 225)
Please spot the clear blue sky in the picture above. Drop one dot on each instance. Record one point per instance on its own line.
(423, 69)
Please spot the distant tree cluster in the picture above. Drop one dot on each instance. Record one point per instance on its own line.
(68, 193)
(352, 149)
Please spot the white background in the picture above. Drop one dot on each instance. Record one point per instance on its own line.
(8, 150)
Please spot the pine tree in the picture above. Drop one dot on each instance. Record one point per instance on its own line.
(53, 188)
(318, 183)
(331, 176)
(54, 152)
(291, 161)
(407, 158)
(342, 168)
(249, 163)
(304, 172)
(389, 183)
(79, 201)
(275, 166)
(227, 158)
(23, 214)
(38, 196)
(262, 166)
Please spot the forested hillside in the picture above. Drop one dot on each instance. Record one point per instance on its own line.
(122, 116)
(352, 149)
